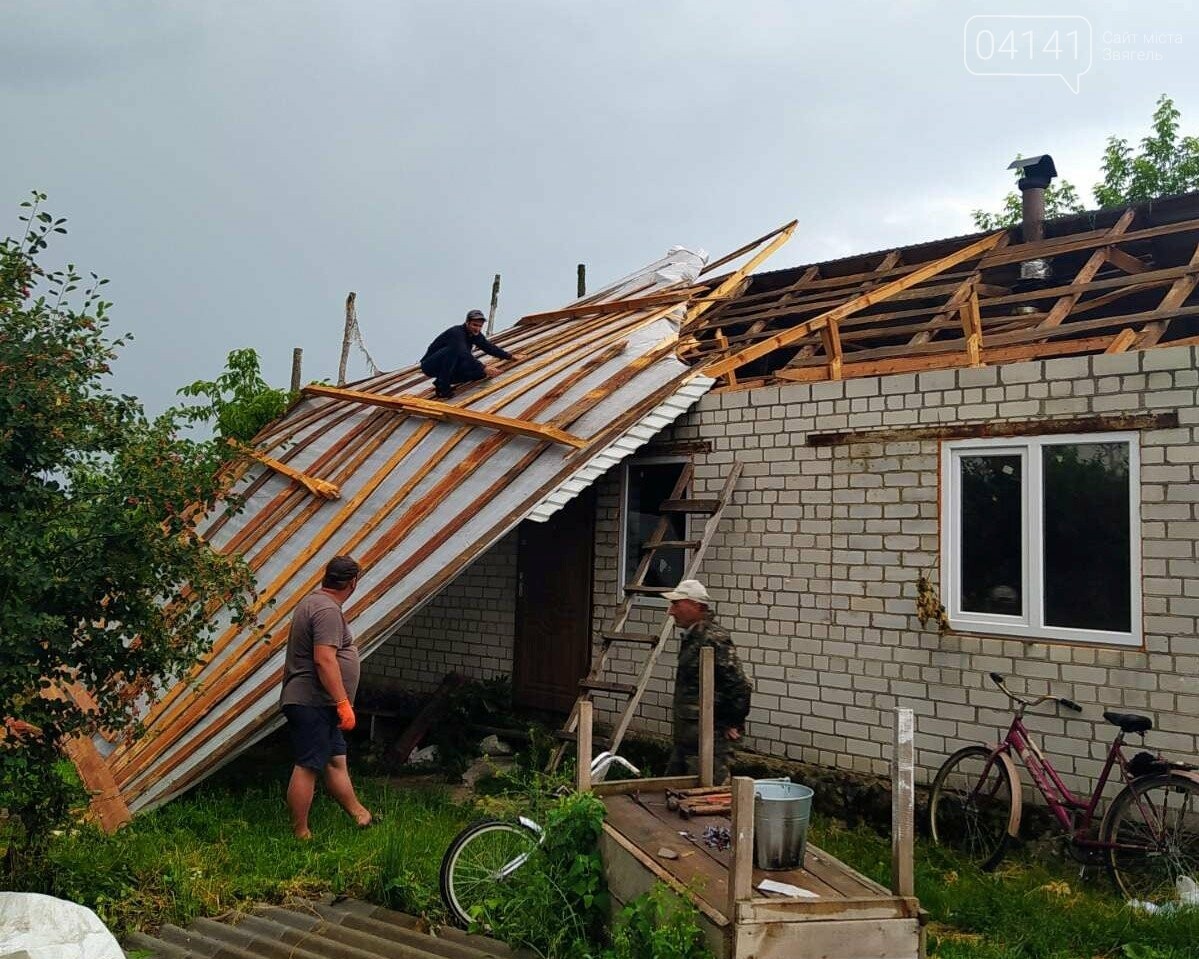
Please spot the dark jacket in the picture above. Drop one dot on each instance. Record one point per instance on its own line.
(461, 341)
(732, 689)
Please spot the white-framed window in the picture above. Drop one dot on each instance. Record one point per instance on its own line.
(1041, 539)
(648, 482)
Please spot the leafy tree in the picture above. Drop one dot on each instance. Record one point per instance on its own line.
(240, 401)
(1166, 163)
(103, 580)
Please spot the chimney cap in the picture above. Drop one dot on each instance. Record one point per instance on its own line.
(1038, 167)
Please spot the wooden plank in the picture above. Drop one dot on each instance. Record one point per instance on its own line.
(1076, 243)
(1125, 261)
(972, 328)
(315, 485)
(707, 673)
(742, 250)
(1114, 422)
(857, 939)
(819, 910)
(741, 852)
(727, 288)
(1123, 341)
(903, 804)
(445, 411)
(1175, 297)
(429, 713)
(1061, 309)
(673, 297)
(658, 784)
(832, 349)
(858, 303)
(583, 752)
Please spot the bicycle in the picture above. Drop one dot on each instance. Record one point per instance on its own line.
(489, 852)
(1148, 837)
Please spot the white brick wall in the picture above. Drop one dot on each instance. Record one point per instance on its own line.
(814, 571)
(467, 628)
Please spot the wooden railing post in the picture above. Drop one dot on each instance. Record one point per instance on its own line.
(707, 676)
(903, 805)
(583, 752)
(741, 852)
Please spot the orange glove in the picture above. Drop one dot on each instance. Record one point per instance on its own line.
(345, 715)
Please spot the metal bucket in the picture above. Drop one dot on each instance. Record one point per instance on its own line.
(781, 812)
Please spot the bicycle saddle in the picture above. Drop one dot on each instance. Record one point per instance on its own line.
(1129, 722)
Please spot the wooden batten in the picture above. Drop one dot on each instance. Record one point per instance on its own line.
(1103, 423)
(444, 411)
(319, 487)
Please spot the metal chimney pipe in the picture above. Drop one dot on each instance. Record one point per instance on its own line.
(1036, 174)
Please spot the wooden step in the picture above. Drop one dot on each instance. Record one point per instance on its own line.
(641, 639)
(594, 685)
(672, 544)
(648, 590)
(689, 506)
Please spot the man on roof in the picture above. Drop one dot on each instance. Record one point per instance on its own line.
(450, 358)
(690, 606)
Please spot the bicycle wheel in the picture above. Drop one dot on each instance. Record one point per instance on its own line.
(481, 856)
(1154, 823)
(970, 810)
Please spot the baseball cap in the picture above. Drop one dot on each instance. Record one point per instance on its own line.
(689, 589)
(341, 570)
(476, 315)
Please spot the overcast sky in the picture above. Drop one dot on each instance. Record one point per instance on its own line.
(235, 168)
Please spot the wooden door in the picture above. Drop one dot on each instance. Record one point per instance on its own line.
(553, 606)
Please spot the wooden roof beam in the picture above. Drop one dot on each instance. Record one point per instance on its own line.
(854, 305)
(731, 284)
(679, 296)
(444, 411)
(1179, 290)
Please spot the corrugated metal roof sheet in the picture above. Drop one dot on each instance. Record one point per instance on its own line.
(421, 498)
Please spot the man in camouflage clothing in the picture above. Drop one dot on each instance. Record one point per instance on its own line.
(689, 606)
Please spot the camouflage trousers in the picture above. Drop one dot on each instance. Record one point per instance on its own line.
(684, 760)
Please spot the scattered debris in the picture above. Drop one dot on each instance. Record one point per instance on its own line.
(786, 889)
(494, 746)
(426, 755)
(718, 838)
(665, 852)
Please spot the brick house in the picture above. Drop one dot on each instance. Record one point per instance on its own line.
(1001, 424)
(1043, 477)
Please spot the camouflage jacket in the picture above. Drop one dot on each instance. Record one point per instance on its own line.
(732, 692)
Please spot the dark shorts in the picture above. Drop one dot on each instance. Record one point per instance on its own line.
(315, 738)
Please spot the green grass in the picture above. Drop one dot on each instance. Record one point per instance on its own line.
(1034, 906)
(224, 846)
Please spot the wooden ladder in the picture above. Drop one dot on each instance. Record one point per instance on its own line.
(594, 682)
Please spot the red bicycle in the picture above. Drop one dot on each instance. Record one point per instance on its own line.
(1149, 834)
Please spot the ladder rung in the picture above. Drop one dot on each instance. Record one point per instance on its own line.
(672, 544)
(642, 639)
(597, 686)
(648, 590)
(567, 735)
(689, 506)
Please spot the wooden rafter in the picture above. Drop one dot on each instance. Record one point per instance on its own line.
(1179, 290)
(1061, 309)
(856, 304)
(972, 329)
(679, 296)
(432, 409)
(734, 279)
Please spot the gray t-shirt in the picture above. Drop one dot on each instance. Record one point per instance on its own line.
(317, 622)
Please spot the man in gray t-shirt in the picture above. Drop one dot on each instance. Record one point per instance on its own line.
(320, 678)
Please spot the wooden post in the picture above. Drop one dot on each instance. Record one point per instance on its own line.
(495, 299)
(583, 753)
(582, 280)
(707, 676)
(345, 339)
(741, 853)
(903, 802)
(297, 361)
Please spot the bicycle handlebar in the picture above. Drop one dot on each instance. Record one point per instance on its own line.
(998, 680)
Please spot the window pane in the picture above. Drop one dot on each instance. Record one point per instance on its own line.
(992, 535)
(649, 485)
(1088, 580)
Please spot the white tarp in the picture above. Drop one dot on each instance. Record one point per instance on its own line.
(42, 927)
